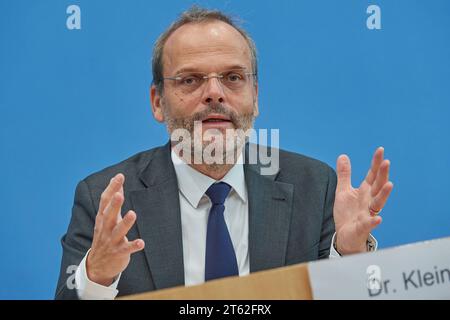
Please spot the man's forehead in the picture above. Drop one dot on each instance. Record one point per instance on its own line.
(203, 43)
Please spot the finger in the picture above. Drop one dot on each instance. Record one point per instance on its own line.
(119, 216)
(344, 173)
(381, 179)
(370, 222)
(115, 184)
(134, 246)
(112, 210)
(98, 225)
(377, 159)
(121, 229)
(97, 229)
(380, 200)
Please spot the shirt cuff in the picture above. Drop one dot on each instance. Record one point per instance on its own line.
(89, 290)
(372, 245)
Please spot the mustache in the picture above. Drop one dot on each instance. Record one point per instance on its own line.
(215, 108)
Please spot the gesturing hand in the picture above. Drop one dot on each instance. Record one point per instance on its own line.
(111, 250)
(356, 210)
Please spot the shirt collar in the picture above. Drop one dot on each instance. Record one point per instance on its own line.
(193, 184)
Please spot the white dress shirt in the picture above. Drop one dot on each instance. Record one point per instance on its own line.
(194, 207)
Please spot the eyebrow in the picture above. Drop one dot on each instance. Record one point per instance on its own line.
(193, 69)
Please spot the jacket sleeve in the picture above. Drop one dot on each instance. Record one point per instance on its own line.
(77, 241)
(328, 227)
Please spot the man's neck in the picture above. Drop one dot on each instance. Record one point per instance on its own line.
(216, 172)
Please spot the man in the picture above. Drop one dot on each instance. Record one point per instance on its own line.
(194, 221)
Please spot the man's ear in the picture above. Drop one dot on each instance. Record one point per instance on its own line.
(156, 103)
(255, 100)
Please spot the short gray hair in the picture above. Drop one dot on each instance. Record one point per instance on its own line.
(195, 15)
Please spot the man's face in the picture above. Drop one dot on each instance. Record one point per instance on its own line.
(209, 48)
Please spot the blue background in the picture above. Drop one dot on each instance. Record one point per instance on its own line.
(75, 101)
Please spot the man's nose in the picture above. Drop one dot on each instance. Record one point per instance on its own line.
(213, 91)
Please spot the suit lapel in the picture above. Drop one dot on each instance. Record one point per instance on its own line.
(159, 220)
(270, 206)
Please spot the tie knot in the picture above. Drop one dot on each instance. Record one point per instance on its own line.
(218, 192)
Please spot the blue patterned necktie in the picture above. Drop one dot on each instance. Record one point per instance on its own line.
(220, 258)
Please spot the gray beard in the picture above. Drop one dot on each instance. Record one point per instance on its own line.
(231, 151)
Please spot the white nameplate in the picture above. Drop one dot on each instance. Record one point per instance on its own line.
(415, 271)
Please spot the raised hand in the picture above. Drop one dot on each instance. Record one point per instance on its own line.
(110, 252)
(356, 210)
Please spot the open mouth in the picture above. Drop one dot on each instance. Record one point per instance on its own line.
(216, 119)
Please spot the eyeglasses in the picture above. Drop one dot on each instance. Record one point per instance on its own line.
(190, 82)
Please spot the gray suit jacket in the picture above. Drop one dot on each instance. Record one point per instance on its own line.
(290, 218)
